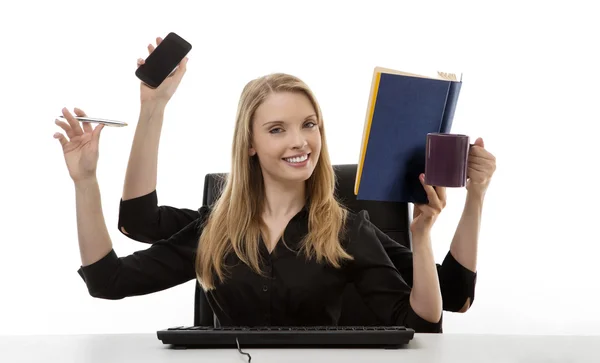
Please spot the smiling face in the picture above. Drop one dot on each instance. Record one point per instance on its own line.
(286, 137)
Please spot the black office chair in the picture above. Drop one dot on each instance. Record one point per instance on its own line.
(392, 218)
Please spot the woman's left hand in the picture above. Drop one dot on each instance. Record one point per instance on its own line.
(481, 168)
(425, 215)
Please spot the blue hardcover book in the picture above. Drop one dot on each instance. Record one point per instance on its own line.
(403, 108)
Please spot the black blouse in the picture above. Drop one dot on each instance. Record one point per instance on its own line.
(294, 292)
(145, 221)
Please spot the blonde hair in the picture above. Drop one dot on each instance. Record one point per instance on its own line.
(235, 223)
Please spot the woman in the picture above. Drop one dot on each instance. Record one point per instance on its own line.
(277, 248)
(141, 218)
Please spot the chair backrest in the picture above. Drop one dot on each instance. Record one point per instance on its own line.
(391, 217)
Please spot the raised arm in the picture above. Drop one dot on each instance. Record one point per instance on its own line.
(457, 283)
(143, 220)
(481, 168)
(163, 265)
(383, 288)
(140, 217)
(140, 177)
(80, 151)
(419, 305)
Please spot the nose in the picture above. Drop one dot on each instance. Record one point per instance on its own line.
(298, 141)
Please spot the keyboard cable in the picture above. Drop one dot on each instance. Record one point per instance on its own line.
(240, 350)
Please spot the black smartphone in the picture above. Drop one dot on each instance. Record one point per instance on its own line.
(163, 60)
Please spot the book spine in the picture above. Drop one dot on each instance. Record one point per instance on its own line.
(451, 100)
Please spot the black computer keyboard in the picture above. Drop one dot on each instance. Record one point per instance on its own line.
(287, 337)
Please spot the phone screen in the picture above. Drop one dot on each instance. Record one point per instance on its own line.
(163, 60)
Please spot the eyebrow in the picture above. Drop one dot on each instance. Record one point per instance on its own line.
(283, 122)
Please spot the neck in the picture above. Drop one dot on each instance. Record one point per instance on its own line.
(283, 200)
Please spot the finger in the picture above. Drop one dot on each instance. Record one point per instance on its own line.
(416, 212)
(181, 69)
(482, 166)
(72, 121)
(476, 174)
(481, 156)
(61, 138)
(480, 152)
(426, 210)
(441, 193)
(480, 162)
(87, 128)
(479, 142)
(96, 133)
(140, 61)
(65, 126)
(150, 48)
(158, 40)
(79, 112)
(86, 125)
(434, 200)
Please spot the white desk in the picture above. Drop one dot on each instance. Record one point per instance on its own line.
(444, 348)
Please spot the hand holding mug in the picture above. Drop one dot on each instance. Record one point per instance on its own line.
(480, 168)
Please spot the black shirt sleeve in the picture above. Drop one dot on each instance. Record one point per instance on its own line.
(457, 283)
(165, 264)
(377, 280)
(143, 220)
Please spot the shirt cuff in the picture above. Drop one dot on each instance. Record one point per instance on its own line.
(98, 273)
(457, 284)
(144, 202)
(135, 213)
(420, 325)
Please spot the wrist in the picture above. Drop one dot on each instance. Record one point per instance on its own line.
(476, 193)
(85, 183)
(154, 104)
(152, 112)
(421, 239)
(475, 197)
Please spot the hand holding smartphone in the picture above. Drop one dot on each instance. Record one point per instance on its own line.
(163, 60)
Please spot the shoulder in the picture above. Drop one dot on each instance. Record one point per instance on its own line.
(192, 231)
(358, 225)
(204, 213)
(358, 219)
(363, 241)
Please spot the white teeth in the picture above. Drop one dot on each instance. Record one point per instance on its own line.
(298, 159)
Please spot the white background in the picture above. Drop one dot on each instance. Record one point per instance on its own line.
(530, 73)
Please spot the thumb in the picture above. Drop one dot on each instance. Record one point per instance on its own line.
(182, 68)
(96, 133)
(479, 142)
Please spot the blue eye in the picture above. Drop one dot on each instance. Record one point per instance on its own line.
(274, 131)
(311, 123)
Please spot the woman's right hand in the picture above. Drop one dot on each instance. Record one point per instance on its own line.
(167, 88)
(80, 146)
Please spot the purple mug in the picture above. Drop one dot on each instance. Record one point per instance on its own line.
(446, 158)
